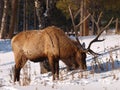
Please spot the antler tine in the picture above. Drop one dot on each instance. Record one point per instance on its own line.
(96, 39)
(93, 53)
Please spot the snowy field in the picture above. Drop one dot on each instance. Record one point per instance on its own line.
(102, 75)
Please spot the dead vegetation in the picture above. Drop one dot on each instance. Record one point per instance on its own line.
(98, 65)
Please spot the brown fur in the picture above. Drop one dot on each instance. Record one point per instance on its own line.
(50, 43)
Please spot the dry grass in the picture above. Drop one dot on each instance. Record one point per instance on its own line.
(26, 75)
(96, 65)
(11, 74)
(112, 60)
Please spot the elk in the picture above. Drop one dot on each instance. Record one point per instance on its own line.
(52, 44)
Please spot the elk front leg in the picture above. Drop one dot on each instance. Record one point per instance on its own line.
(57, 69)
(52, 66)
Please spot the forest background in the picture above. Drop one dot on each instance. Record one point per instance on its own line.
(21, 15)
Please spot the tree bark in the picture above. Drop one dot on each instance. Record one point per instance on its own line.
(4, 19)
(17, 20)
(13, 17)
(40, 10)
(35, 23)
(84, 26)
(25, 16)
(116, 26)
(81, 17)
(1, 10)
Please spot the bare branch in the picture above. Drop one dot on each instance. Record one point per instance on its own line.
(74, 27)
(108, 23)
(83, 20)
(72, 18)
(100, 15)
(77, 13)
(103, 29)
(71, 15)
(97, 21)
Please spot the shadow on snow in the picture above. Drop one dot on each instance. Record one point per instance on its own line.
(5, 45)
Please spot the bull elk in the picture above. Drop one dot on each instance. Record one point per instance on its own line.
(52, 44)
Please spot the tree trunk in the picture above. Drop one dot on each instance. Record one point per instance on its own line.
(24, 16)
(1, 10)
(81, 17)
(17, 20)
(40, 10)
(84, 26)
(116, 26)
(35, 23)
(4, 19)
(93, 25)
(41, 7)
(13, 17)
(86, 29)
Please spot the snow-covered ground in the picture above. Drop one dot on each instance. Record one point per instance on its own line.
(106, 78)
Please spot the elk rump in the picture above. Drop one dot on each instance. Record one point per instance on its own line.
(50, 43)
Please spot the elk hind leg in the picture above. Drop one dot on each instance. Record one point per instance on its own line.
(19, 63)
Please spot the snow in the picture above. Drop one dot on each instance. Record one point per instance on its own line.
(106, 79)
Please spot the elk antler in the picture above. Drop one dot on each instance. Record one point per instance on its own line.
(101, 31)
(76, 26)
